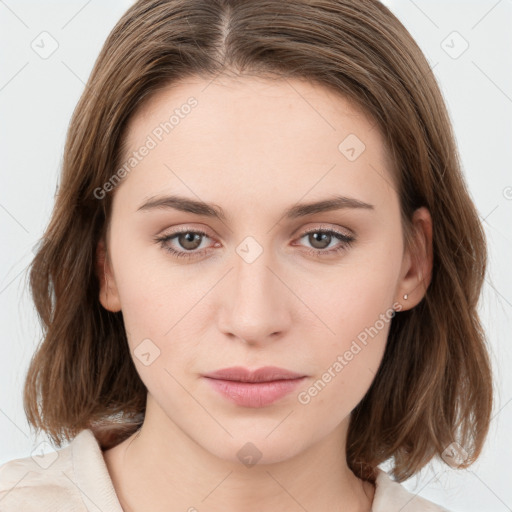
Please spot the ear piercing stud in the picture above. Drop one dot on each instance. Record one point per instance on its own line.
(405, 296)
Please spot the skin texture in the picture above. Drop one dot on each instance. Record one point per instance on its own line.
(254, 147)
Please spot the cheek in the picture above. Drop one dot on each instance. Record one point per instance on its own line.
(149, 289)
(347, 359)
(353, 296)
(161, 305)
(355, 323)
(147, 311)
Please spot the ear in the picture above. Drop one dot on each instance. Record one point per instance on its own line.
(416, 272)
(109, 295)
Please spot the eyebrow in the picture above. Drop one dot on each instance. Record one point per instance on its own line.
(185, 204)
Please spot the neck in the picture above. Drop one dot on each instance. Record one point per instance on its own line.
(161, 466)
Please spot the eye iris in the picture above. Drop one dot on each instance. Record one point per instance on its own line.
(314, 239)
(192, 240)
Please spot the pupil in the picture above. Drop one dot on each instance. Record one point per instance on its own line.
(189, 242)
(319, 237)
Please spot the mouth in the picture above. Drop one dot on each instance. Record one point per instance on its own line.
(258, 388)
(264, 374)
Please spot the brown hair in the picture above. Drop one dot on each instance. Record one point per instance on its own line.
(434, 385)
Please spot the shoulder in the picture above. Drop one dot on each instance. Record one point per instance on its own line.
(391, 496)
(68, 479)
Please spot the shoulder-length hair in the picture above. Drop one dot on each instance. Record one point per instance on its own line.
(434, 385)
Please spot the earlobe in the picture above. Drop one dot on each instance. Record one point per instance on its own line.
(418, 262)
(108, 294)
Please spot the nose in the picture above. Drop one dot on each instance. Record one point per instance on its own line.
(255, 302)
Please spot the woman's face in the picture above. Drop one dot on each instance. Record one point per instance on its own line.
(261, 278)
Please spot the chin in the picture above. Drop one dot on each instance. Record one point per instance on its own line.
(253, 451)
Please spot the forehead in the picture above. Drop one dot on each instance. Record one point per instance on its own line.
(242, 106)
(258, 137)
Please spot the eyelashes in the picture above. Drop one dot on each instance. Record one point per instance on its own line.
(344, 242)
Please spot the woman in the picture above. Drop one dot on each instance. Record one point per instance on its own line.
(260, 279)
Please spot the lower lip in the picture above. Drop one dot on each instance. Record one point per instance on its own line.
(254, 394)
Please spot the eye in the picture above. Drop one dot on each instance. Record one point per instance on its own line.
(321, 239)
(189, 241)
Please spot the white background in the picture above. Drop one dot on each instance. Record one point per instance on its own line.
(37, 97)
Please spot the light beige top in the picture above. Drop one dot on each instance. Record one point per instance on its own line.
(76, 479)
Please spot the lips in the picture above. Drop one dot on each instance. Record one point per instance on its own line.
(254, 388)
(264, 374)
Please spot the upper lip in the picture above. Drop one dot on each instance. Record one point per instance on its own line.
(264, 374)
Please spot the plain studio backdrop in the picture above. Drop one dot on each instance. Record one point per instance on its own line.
(468, 44)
